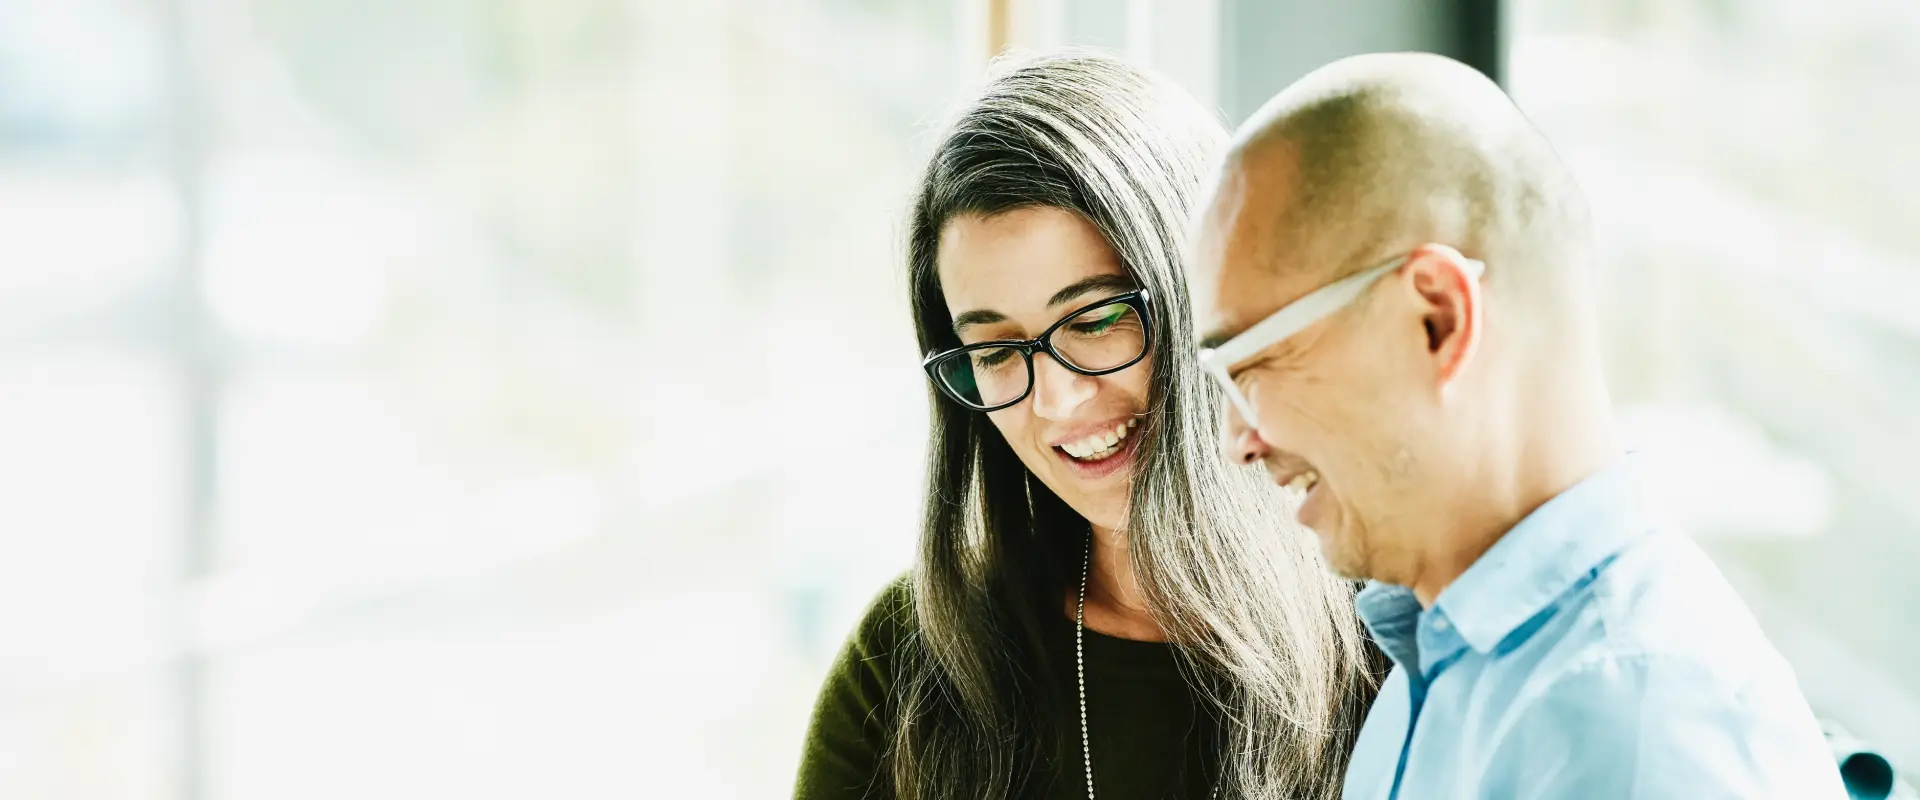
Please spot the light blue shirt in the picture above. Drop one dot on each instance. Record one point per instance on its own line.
(1593, 651)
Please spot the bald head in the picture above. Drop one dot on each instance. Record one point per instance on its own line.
(1373, 155)
(1452, 385)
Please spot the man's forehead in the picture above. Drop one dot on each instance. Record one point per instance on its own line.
(1249, 267)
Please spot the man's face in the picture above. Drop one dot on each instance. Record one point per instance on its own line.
(1340, 404)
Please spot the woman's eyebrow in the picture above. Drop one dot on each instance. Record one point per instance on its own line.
(1067, 294)
(1072, 291)
(978, 316)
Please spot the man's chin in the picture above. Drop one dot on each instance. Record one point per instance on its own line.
(1343, 556)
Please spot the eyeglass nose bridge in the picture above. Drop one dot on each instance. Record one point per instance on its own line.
(1045, 345)
(1073, 375)
(1035, 347)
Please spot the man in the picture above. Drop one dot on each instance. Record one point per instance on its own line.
(1393, 286)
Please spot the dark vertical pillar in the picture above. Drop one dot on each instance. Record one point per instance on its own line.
(1267, 44)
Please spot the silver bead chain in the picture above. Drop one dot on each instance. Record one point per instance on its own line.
(1080, 664)
(1080, 670)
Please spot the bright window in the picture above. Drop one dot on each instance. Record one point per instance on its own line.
(1751, 167)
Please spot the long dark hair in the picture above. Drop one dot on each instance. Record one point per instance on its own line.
(981, 701)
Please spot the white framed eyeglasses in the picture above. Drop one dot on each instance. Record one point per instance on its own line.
(1295, 317)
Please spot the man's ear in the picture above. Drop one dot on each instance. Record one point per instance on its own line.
(1450, 299)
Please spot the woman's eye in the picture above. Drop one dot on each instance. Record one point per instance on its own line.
(1101, 321)
(991, 358)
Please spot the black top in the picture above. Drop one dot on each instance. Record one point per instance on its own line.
(1151, 737)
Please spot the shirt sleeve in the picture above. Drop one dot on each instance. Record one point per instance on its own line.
(841, 759)
(1658, 727)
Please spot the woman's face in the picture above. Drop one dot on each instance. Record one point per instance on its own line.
(1012, 276)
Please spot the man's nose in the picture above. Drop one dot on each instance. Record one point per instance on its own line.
(1239, 441)
(1057, 391)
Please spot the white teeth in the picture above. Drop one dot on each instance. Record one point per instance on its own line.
(1100, 445)
(1304, 482)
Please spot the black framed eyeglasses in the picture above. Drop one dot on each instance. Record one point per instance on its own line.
(1099, 339)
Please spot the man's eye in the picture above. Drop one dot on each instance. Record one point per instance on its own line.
(1243, 376)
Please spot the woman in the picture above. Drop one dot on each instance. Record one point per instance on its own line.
(1102, 607)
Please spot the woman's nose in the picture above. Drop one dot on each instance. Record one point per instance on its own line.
(1058, 391)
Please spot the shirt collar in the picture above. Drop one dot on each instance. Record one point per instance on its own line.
(1560, 544)
(1563, 543)
(1392, 614)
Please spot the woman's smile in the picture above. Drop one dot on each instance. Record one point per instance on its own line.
(1107, 450)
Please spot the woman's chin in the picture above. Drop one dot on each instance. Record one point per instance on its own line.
(1100, 498)
(1103, 509)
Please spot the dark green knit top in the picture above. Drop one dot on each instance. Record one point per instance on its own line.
(1150, 736)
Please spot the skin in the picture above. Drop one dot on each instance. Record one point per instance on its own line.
(1014, 267)
(1436, 410)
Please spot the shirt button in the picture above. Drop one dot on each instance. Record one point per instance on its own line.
(1439, 623)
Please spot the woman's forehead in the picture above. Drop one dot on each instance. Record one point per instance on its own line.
(1016, 261)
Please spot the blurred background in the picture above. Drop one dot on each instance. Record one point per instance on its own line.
(429, 399)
